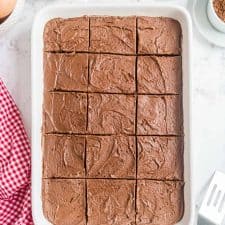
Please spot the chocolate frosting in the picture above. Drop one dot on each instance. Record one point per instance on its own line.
(65, 112)
(112, 73)
(67, 34)
(159, 75)
(67, 72)
(160, 158)
(64, 201)
(159, 203)
(159, 115)
(111, 114)
(63, 156)
(111, 157)
(113, 34)
(111, 202)
(159, 36)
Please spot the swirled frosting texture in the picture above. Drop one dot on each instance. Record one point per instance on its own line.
(63, 156)
(159, 75)
(159, 203)
(111, 73)
(159, 115)
(67, 72)
(111, 157)
(67, 34)
(160, 158)
(64, 201)
(65, 112)
(159, 36)
(111, 114)
(111, 202)
(113, 34)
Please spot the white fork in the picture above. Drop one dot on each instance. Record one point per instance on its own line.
(212, 210)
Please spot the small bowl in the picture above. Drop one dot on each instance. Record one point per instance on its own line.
(218, 23)
(12, 19)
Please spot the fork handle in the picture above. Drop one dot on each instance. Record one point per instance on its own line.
(203, 221)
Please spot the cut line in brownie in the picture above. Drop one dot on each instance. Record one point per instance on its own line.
(111, 202)
(64, 201)
(67, 35)
(113, 34)
(159, 115)
(111, 73)
(111, 114)
(160, 158)
(159, 203)
(159, 35)
(63, 156)
(64, 112)
(111, 157)
(66, 71)
(159, 75)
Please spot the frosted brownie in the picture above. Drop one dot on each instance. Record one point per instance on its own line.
(113, 34)
(159, 203)
(159, 75)
(159, 35)
(159, 115)
(65, 112)
(63, 156)
(111, 202)
(160, 158)
(67, 72)
(111, 114)
(64, 201)
(111, 157)
(111, 73)
(67, 34)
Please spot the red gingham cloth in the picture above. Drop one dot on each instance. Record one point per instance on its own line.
(15, 194)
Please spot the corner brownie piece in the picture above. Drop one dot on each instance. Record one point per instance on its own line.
(111, 202)
(159, 115)
(111, 114)
(112, 34)
(67, 72)
(64, 201)
(111, 73)
(160, 158)
(159, 203)
(159, 35)
(67, 34)
(159, 75)
(111, 157)
(65, 112)
(63, 156)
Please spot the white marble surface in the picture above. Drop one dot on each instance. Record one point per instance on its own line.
(208, 90)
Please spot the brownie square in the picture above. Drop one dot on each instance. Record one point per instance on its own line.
(111, 114)
(67, 34)
(64, 201)
(67, 72)
(63, 156)
(111, 202)
(65, 112)
(160, 158)
(111, 34)
(111, 73)
(159, 35)
(159, 75)
(159, 115)
(159, 203)
(111, 157)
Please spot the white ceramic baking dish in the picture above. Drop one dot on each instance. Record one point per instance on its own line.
(139, 9)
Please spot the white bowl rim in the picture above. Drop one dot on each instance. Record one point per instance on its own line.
(12, 18)
(218, 20)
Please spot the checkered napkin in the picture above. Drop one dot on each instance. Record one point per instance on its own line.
(15, 202)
